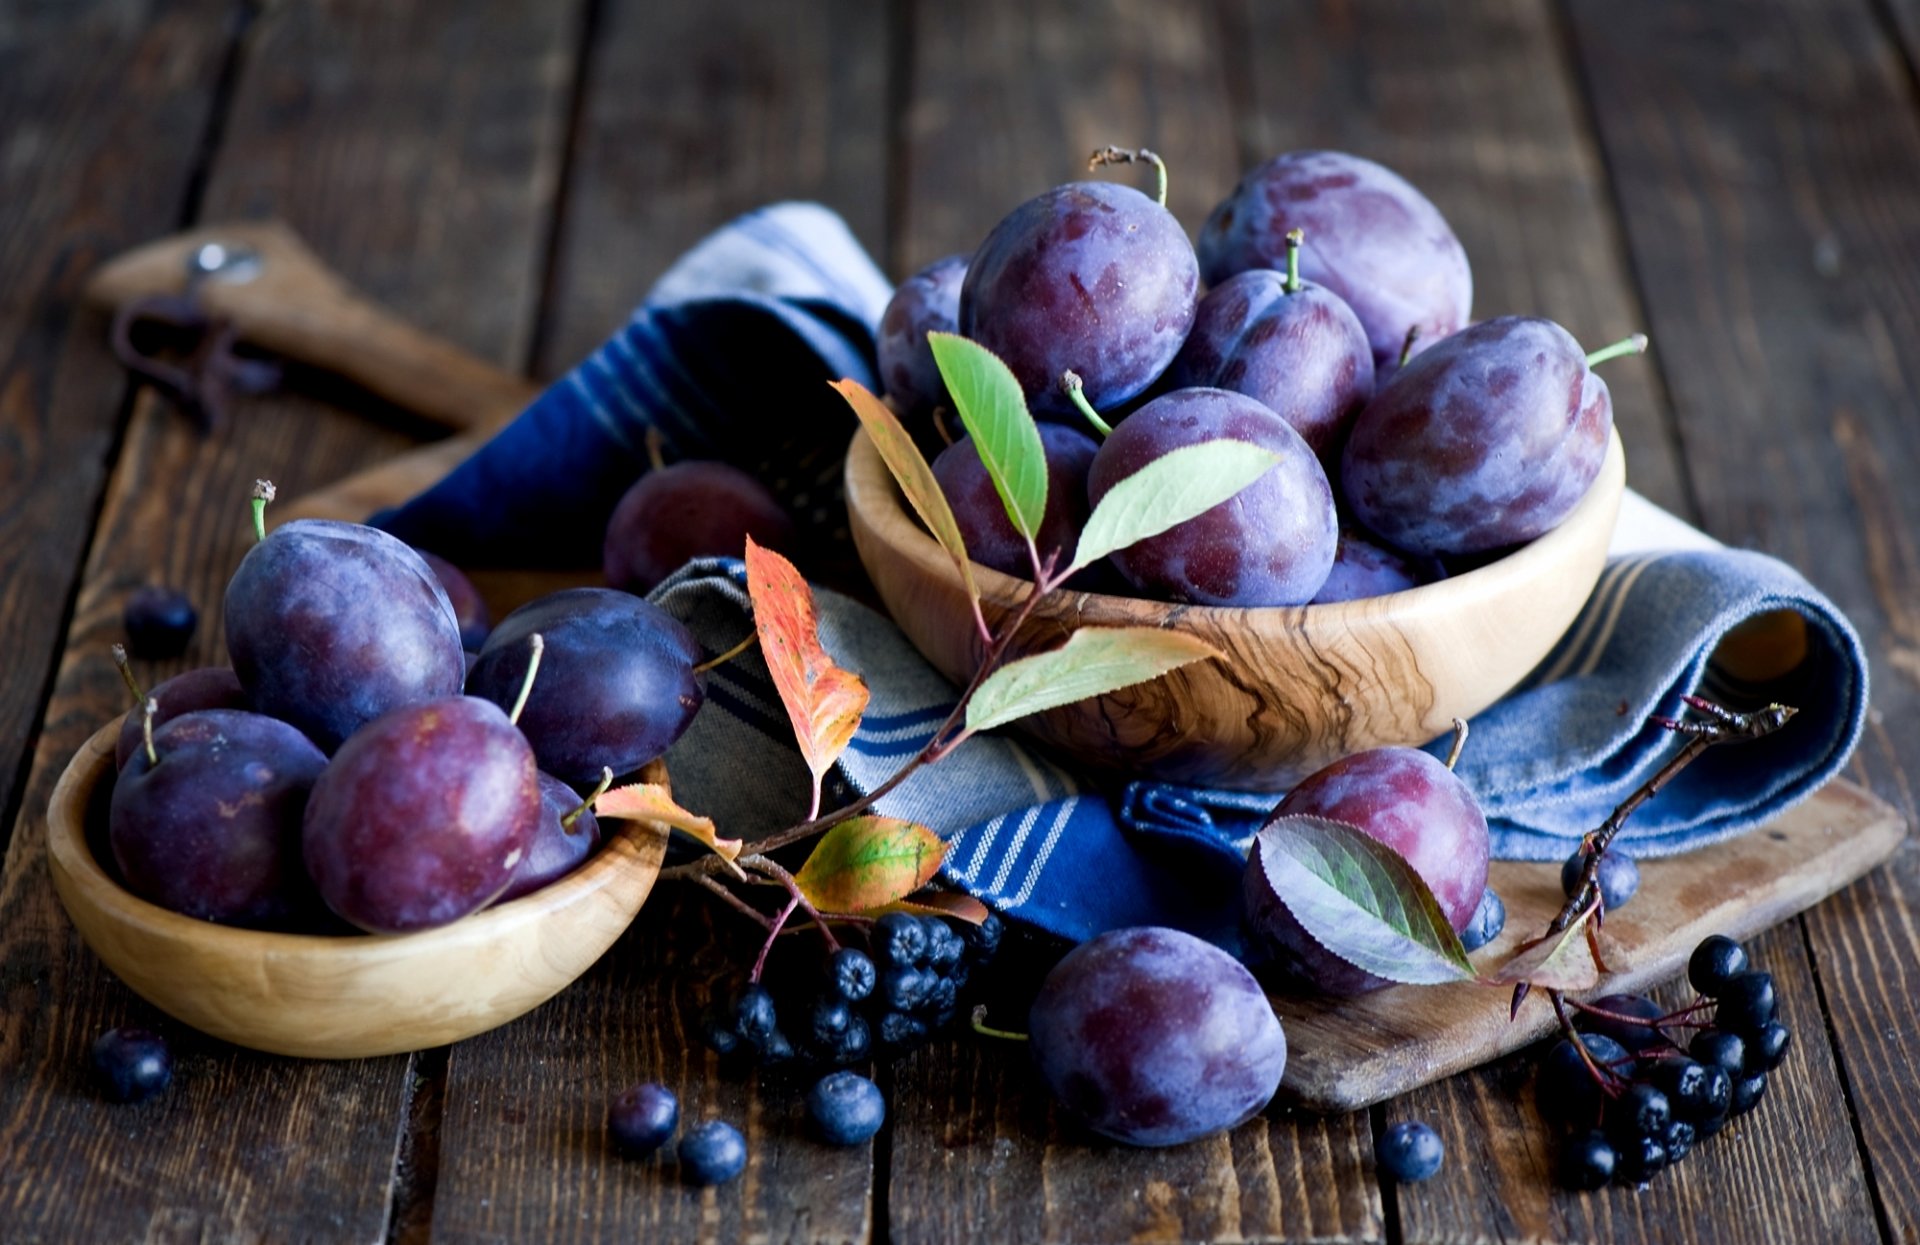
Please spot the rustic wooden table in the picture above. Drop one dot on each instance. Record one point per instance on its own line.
(1742, 179)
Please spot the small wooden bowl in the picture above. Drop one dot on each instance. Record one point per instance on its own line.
(1299, 686)
(346, 997)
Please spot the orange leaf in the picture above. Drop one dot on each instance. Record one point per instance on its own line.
(824, 702)
(649, 801)
(941, 903)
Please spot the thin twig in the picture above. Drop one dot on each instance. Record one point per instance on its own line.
(742, 905)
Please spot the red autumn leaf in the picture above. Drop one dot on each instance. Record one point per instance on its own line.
(823, 701)
(648, 801)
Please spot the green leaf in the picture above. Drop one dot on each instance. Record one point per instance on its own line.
(1170, 490)
(1567, 960)
(868, 862)
(994, 409)
(1093, 661)
(1360, 900)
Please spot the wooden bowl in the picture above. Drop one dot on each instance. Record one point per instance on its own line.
(351, 996)
(1299, 686)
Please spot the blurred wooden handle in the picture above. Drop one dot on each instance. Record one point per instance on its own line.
(295, 306)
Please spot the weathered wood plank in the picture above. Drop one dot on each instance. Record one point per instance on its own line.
(1764, 161)
(1788, 1171)
(246, 1147)
(102, 107)
(690, 115)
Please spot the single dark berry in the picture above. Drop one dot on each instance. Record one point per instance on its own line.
(1679, 1140)
(1633, 1036)
(1642, 1111)
(904, 989)
(1721, 1049)
(133, 1064)
(1639, 1159)
(1746, 1004)
(159, 622)
(852, 974)
(1587, 1162)
(721, 1037)
(830, 1019)
(1715, 962)
(1566, 1089)
(944, 947)
(712, 1153)
(1716, 1096)
(1486, 923)
(898, 1029)
(775, 1049)
(1618, 876)
(1410, 1152)
(900, 938)
(1747, 1092)
(942, 997)
(846, 1108)
(1709, 1125)
(1767, 1048)
(642, 1118)
(1686, 1083)
(855, 1044)
(754, 1014)
(982, 939)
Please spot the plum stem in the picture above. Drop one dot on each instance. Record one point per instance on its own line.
(146, 729)
(126, 674)
(263, 492)
(1637, 344)
(606, 780)
(1076, 392)
(980, 1026)
(1460, 732)
(1138, 155)
(656, 448)
(526, 683)
(1296, 238)
(1406, 347)
(752, 639)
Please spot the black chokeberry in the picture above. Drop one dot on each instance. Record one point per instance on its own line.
(1746, 1003)
(1639, 1159)
(852, 974)
(1716, 1096)
(754, 1014)
(1587, 1162)
(1686, 1084)
(905, 989)
(846, 1108)
(1715, 962)
(1720, 1048)
(1618, 876)
(855, 1044)
(1486, 922)
(1747, 1092)
(722, 1038)
(712, 1153)
(1636, 1035)
(1768, 1047)
(829, 1019)
(1679, 1140)
(133, 1064)
(982, 939)
(642, 1118)
(159, 623)
(900, 938)
(1566, 1089)
(775, 1048)
(1641, 1111)
(899, 1029)
(1410, 1152)
(944, 995)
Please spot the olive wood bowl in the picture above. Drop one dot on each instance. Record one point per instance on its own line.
(350, 996)
(1296, 687)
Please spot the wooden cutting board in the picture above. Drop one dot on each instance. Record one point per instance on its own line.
(1348, 1053)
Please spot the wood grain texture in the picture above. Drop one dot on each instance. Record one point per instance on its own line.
(1786, 1172)
(1474, 103)
(365, 126)
(1764, 161)
(101, 110)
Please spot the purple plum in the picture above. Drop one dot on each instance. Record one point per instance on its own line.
(555, 849)
(688, 510)
(1363, 567)
(990, 535)
(926, 302)
(469, 607)
(209, 687)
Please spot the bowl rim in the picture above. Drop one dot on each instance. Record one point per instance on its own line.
(629, 849)
(873, 493)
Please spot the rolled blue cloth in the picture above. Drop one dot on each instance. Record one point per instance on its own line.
(729, 357)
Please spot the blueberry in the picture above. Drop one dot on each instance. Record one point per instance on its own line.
(712, 1153)
(846, 1108)
(1747, 1092)
(1715, 962)
(1587, 1162)
(1640, 1160)
(1566, 1090)
(1410, 1152)
(1642, 1111)
(829, 1020)
(1618, 876)
(1633, 1036)
(1746, 1004)
(133, 1064)
(642, 1119)
(904, 989)
(1766, 1048)
(852, 974)
(1679, 1140)
(754, 1014)
(1721, 1049)
(1486, 923)
(900, 938)
(159, 622)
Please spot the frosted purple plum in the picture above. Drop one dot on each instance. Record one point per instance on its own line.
(1363, 568)
(422, 816)
(332, 624)
(555, 850)
(212, 830)
(469, 607)
(1488, 440)
(1090, 277)
(1403, 798)
(210, 687)
(1374, 240)
(926, 302)
(1155, 1038)
(1271, 544)
(684, 511)
(1302, 353)
(990, 535)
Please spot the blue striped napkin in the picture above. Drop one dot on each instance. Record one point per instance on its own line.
(729, 358)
